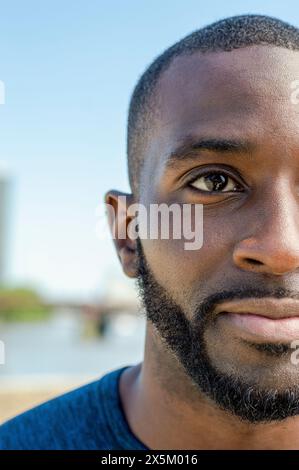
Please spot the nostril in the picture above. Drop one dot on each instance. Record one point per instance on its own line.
(253, 261)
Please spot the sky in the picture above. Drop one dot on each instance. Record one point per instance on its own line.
(69, 68)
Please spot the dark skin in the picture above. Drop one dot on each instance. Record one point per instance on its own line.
(251, 236)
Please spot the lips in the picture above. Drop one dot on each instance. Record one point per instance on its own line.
(271, 320)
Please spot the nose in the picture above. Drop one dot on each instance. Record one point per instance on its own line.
(274, 247)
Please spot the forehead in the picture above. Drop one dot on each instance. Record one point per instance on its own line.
(246, 93)
(200, 86)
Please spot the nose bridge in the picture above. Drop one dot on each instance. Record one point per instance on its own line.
(280, 215)
(273, 245)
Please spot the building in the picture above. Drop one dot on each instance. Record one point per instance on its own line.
(4, 189)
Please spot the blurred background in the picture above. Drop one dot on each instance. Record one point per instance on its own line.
(67, 69)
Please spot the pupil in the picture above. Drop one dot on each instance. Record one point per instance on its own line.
(215, 181)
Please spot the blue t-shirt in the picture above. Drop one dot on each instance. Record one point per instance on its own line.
(89, 418)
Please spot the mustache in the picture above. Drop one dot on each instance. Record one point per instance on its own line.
(205, 309)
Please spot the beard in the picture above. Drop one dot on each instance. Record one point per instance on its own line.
(185, 339)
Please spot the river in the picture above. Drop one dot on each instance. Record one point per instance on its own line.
(58, 347)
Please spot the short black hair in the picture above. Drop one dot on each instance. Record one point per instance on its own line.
(224, 35)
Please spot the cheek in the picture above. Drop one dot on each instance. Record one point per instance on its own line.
(183, 273)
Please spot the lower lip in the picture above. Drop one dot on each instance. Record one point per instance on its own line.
(256, 327)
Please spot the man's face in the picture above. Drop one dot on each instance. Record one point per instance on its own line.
(250, 218)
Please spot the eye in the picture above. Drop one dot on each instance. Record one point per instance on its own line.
(215, 181)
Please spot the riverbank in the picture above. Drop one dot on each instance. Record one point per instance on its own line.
(46, 359)
(22, 393)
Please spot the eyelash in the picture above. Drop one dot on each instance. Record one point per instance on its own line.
(211, 171)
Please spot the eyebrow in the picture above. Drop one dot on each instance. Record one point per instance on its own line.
(186, 149)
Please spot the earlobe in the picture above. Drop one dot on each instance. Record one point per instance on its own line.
(117, 211)
(128, 261)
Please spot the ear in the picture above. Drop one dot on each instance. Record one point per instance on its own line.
(119, 219)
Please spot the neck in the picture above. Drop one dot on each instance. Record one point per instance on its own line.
(165, 410)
